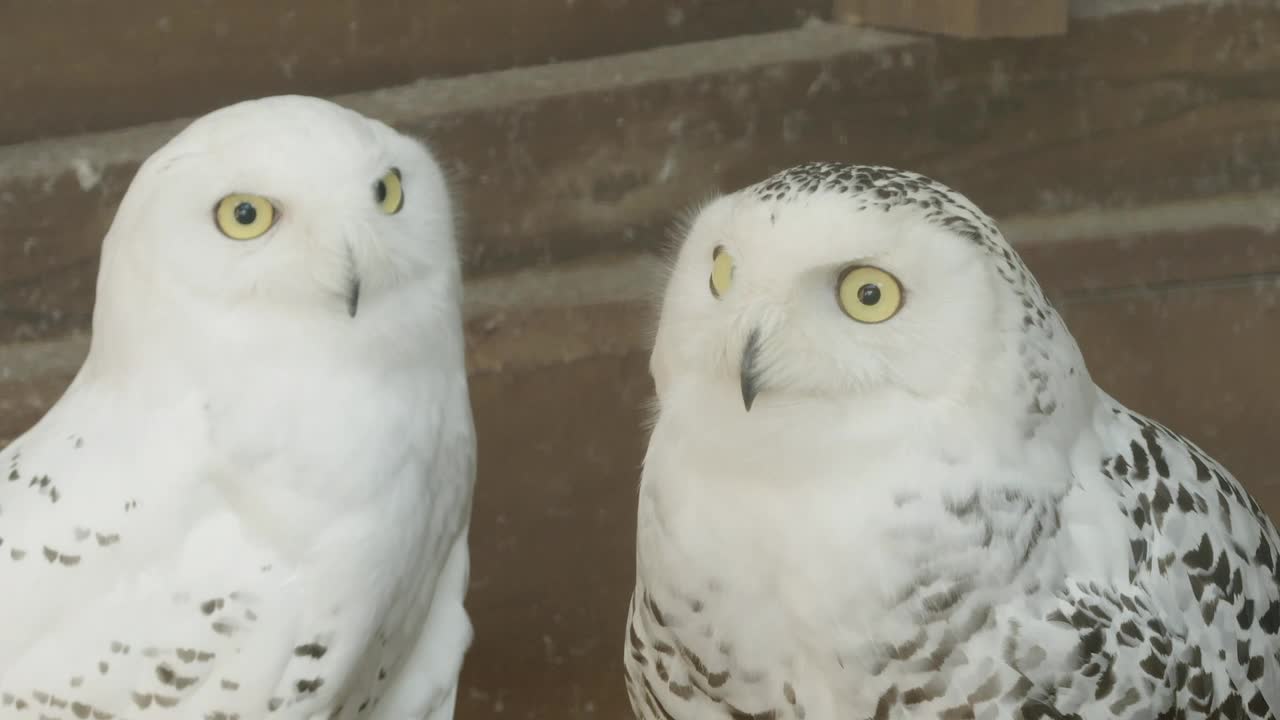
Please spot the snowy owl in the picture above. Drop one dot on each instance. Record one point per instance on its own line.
(253, 500)
(881, 484)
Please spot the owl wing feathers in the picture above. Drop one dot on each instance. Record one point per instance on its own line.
(153, 590)
(1205, 555)
(141, 593)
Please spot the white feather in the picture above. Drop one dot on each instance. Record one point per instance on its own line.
(250, 503)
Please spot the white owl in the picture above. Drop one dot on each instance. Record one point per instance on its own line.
(253, 500)
(881, 484)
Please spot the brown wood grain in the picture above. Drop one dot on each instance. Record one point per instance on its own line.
(960, 18)
(554, 522)
(1088, 265)
(79, 65)
(1201, 359)
(1021, 127)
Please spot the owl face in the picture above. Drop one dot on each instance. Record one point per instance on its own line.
(831, 293)
(289, 204)
(281, 225)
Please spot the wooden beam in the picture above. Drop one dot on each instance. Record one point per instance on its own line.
(602, 156)
(960, 18)
(72, 66)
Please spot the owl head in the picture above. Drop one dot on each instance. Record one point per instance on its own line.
(286, 222)
(847, 284)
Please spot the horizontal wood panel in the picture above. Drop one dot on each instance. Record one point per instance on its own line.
(1022, 127)
(70, 66)
(1088, 265)
(554, 557)
(1199, 359)
(960, 18)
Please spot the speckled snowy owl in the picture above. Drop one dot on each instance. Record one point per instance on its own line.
(253, 501)
(882, 484)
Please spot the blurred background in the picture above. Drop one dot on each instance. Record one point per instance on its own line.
(1129, 148)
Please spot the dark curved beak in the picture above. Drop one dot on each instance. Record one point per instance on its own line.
(353, 284)
(750, 370)
(353, 295)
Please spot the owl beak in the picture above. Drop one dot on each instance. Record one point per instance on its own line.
(353, 284)
(749, 369)
(353, 294)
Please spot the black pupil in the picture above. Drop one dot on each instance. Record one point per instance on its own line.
(869, 294)
(380, 191)
(246, 213)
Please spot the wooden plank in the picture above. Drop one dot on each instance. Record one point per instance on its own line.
(69, 66)
(1169, 257)
(1199, 359)
(550, 645)
(960, 18)
(577, 159)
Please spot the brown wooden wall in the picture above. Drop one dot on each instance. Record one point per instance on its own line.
(70, 66)
(1134, 160)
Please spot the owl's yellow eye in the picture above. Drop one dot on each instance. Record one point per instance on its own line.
(244, 217)
(721, 271)
(389, 192)
(868, 295)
